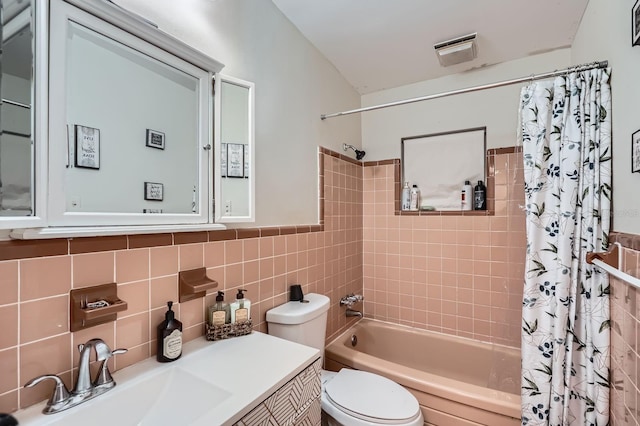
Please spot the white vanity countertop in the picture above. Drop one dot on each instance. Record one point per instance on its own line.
(243, 371)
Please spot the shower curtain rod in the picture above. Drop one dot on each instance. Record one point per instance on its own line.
(532, 77)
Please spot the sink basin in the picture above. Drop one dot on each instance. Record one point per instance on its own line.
(212, 384)
(173, 397)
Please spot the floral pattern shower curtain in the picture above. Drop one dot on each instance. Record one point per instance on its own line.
(566, 134)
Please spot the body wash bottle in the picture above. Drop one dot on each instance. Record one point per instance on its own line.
(406, 197)
(241, 308)
(219, 313)
(169, 337)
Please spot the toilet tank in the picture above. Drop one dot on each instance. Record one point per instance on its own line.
(301, 322)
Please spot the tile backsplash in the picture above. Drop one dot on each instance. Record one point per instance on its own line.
(36, 277)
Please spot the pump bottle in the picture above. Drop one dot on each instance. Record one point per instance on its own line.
(219, 313)
(169, 337)
(241, 308)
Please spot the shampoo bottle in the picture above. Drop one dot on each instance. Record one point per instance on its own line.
(406, 197)
(219, 313)
(414, 204)
(480, 196)
(169, 337)
(466, 201)
(241, 308)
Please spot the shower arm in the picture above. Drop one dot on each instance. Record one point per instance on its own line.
(359, 154)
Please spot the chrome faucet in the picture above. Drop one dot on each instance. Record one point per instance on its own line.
(61, 399)
(350, 299)
(353, 313)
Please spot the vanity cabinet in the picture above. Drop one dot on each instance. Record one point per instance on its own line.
(295, 403)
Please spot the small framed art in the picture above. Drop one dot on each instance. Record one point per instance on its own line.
(153, 191)
(635, 24)
(87, 147)
(635, 152)
(223, 160)
(235, 160)
(155, 139)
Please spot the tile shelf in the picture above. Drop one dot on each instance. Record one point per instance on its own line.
(194, 284)
(83, 317)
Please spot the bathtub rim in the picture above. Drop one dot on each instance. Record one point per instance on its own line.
(466, 393)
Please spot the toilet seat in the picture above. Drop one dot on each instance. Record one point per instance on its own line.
(369, 397)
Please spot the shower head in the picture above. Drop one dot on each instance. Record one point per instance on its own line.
(359, 154)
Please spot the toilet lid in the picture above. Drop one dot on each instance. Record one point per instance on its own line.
(371, 396)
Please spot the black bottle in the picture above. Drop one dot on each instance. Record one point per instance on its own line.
(169, 337)
(480, 196)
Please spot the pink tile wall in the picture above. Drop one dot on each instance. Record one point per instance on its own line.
(460, 275)
(625, 358)
(34, 292)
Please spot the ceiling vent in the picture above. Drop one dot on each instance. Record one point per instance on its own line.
(457, 50)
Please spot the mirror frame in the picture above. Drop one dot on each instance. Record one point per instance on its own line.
(39, 121)
(218, 207)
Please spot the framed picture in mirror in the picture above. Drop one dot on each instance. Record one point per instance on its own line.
(153, 191)
(87, 147)
(235, 160)
(635, 24)
(155, 139)
(635, 152)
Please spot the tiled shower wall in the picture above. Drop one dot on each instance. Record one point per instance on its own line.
(457, 274)
(625, 337)
(36, 277)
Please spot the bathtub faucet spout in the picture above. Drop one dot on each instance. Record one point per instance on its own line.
(353, 313)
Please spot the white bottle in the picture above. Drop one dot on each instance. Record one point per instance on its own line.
(241, 308)
(406, 197)
(466, 201)
(414, 203)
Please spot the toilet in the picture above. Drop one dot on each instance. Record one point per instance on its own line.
(349, 397)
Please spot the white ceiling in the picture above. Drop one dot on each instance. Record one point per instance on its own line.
(380, 44)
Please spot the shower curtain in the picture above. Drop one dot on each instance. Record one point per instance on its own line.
(566, 137)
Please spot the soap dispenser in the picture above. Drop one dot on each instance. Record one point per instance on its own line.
(169, 337)
(241, 308)
(219, 313)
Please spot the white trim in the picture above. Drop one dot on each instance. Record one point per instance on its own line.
(146, 30)
(100, 231)
(219, 207)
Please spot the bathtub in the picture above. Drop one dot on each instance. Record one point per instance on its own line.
(457, 381)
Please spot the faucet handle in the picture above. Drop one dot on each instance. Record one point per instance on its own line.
(350, 299)
(60, 392)
(104, 375)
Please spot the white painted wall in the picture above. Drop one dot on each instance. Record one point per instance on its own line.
(605, 33)
(294, 85)
(494, 108)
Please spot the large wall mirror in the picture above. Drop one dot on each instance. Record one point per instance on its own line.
(16, 161)
(440, 163)
(23, 24)
(234, 148)
(130, 127)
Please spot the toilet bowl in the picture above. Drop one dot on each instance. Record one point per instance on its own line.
(359, 398)
(349, 397)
